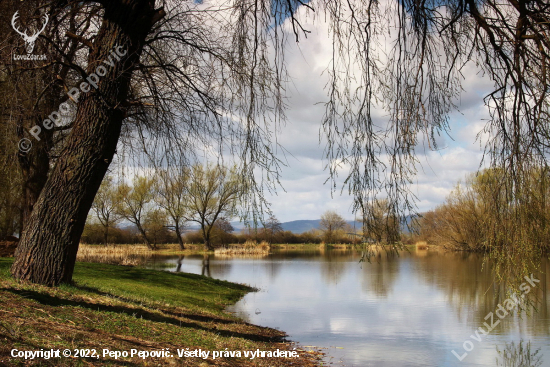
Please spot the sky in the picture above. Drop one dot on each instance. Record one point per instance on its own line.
(305, 194)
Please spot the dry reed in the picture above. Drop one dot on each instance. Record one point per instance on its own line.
(114, 254)
(421, 245)
(249, 247)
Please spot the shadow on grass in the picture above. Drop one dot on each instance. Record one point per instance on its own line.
(153, 277)
(49, 300)
(14, 332)
(202, 318)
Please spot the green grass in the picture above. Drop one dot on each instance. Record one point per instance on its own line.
(120, 308)
(155, 287)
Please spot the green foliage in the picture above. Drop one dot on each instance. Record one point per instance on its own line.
(104, 207)
(170, 195)
(155, 225)
(213, 192)
(490, 213)
(134, 203)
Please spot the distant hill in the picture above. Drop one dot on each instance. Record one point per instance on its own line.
(301, 226)
(295, 226)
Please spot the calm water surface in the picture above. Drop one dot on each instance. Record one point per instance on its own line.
(406, 310)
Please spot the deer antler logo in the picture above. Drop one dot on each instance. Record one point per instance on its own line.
(29, 40)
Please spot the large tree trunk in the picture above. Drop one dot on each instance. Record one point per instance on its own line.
(35, 164)
(145, 237)
(206, 235)
(106, 235)
(34, 168)
(47, 250)
(178, 235)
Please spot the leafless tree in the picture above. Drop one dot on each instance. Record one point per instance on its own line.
(213, 192)
(135, 204)
(105, 206)
(34, 89)
(407, 59)
(380, 224)
(330, 223)
(195, 74)
(272, 226)
(186, 75)
(222, 230)
(171, 191)
(155, 226)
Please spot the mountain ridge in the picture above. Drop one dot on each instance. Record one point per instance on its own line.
(295, 226)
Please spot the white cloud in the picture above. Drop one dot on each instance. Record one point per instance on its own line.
(306, 196)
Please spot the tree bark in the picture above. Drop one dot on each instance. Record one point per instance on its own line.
(34, 168)
(145, 237)
(178, 235)
(106, 235)
(47, 250)
(206, 234)
(35, 164)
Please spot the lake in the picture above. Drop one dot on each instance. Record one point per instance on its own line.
(414, 309)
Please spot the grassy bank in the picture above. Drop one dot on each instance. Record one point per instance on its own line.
(122, 308)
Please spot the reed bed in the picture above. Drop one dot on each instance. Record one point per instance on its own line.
(133, 255)
(235, 255)
(174, 247)
(293, 246)
(248, 248)
(421, 245)
(112, 249)
(341, 246)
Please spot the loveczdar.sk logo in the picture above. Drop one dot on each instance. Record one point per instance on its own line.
(29, 40)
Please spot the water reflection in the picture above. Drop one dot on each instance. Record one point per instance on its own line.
(333, 265)
(206, 266)
(180, 261)
(468, 285)
(519, 355)
(380, 274)
(406, 310)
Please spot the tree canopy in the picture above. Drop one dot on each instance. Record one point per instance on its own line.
(190, 76)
